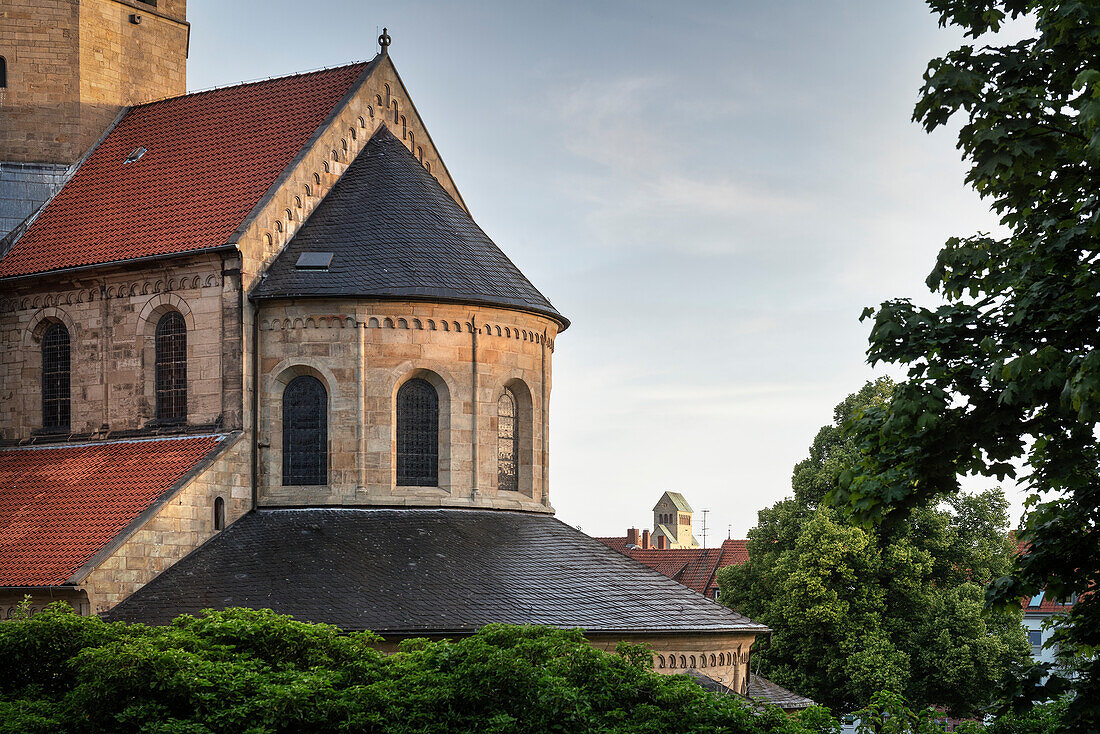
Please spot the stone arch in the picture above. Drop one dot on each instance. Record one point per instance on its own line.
(712, 660)
(672, 662)
(691, 661)
(445, 388)
(683, 661)
(271, 405)
(396, 114)
(317, 177)
(431, 325)
(387, 323)
(659, 663)
(525, 425)
(372, 323)
(145, 344)
(40, 321)
(402, 323)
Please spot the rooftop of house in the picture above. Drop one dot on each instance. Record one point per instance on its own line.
(388, 229)
(695, 568)
(678, 501)
(62, 505)
(425, 571)
(178, 175)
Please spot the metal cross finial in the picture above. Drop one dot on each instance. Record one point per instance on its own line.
(384, 40)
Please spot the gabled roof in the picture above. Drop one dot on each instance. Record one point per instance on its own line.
(407, 571)
(394, 232)
(60, 505)
(695, 568)
(210, 158)
(677, 500)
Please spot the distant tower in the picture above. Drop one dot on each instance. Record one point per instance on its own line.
(672, 519)
(67, 67)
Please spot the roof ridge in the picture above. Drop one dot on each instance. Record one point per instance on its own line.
(114, 442)
(252, 82)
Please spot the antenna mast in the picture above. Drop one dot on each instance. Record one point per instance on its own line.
(705, 529)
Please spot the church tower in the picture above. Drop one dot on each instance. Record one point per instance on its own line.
(67, 68)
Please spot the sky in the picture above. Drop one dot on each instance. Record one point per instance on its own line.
(712, 193)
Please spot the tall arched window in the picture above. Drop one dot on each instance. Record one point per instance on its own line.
(507, 443)
(171, 369)
(417, 434)
(55, 378)
(305, 432)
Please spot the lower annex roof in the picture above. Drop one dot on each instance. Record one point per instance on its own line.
(413, 571)
(60, 505)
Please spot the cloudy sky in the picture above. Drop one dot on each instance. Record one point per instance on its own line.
(712, 193)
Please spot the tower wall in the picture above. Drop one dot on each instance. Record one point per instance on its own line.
(72, 65)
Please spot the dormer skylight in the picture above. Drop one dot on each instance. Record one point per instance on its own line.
(135, 155)
(313, 261)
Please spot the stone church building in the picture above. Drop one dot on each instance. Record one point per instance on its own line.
(255, 352)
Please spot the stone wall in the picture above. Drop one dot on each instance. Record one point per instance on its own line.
(39, 597)
(363, 351)
(180, 525)
(111, 315)
(74, 64)
(722, 656)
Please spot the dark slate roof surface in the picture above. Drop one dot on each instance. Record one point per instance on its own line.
(396, 233)
(761, 690)
(424, 571)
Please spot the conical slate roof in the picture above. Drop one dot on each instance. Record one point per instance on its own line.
(394, 232)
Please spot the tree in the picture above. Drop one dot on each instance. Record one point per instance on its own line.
(1006, 373)
(855, 611)
(245, 670)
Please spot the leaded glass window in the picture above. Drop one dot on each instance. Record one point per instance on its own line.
(55, 378)
(507, 443)
(171, 368)
(305, 432)
(417, 434)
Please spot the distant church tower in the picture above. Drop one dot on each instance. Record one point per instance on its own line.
(67, 68)
(672, 520)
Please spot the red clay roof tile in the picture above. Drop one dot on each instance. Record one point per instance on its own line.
(695, 568)
(211, 156)
(59, 505)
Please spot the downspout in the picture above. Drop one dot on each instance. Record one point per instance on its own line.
(255, 403)
(473, 402)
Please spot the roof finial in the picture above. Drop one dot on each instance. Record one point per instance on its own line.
(384, 41)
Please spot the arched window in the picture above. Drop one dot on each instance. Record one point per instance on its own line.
(219, 514)
(305, 432)
(507, 443)
(417, 434)
(171, 368)
(55, 378)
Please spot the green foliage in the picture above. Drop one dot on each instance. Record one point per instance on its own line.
(1007, 372)
(889, 713)
(856, 611)
(255, 671)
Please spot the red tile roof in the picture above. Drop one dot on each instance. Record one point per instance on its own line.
(695, 568)
(60, 505)
(211, 157)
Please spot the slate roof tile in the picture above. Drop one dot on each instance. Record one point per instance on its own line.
(59, 505)
(396, 233)
(211, 156)
(424, 571)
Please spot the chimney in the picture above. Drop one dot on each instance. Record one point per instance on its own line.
(662, 542)
(645, 539)
(632, 536)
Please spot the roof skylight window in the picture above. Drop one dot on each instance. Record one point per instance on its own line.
(135, 155)
(313, 261)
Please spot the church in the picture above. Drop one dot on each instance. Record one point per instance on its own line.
(256, 352)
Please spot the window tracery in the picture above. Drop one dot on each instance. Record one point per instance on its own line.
(417, 434)
(305, 432)
(171, 368)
